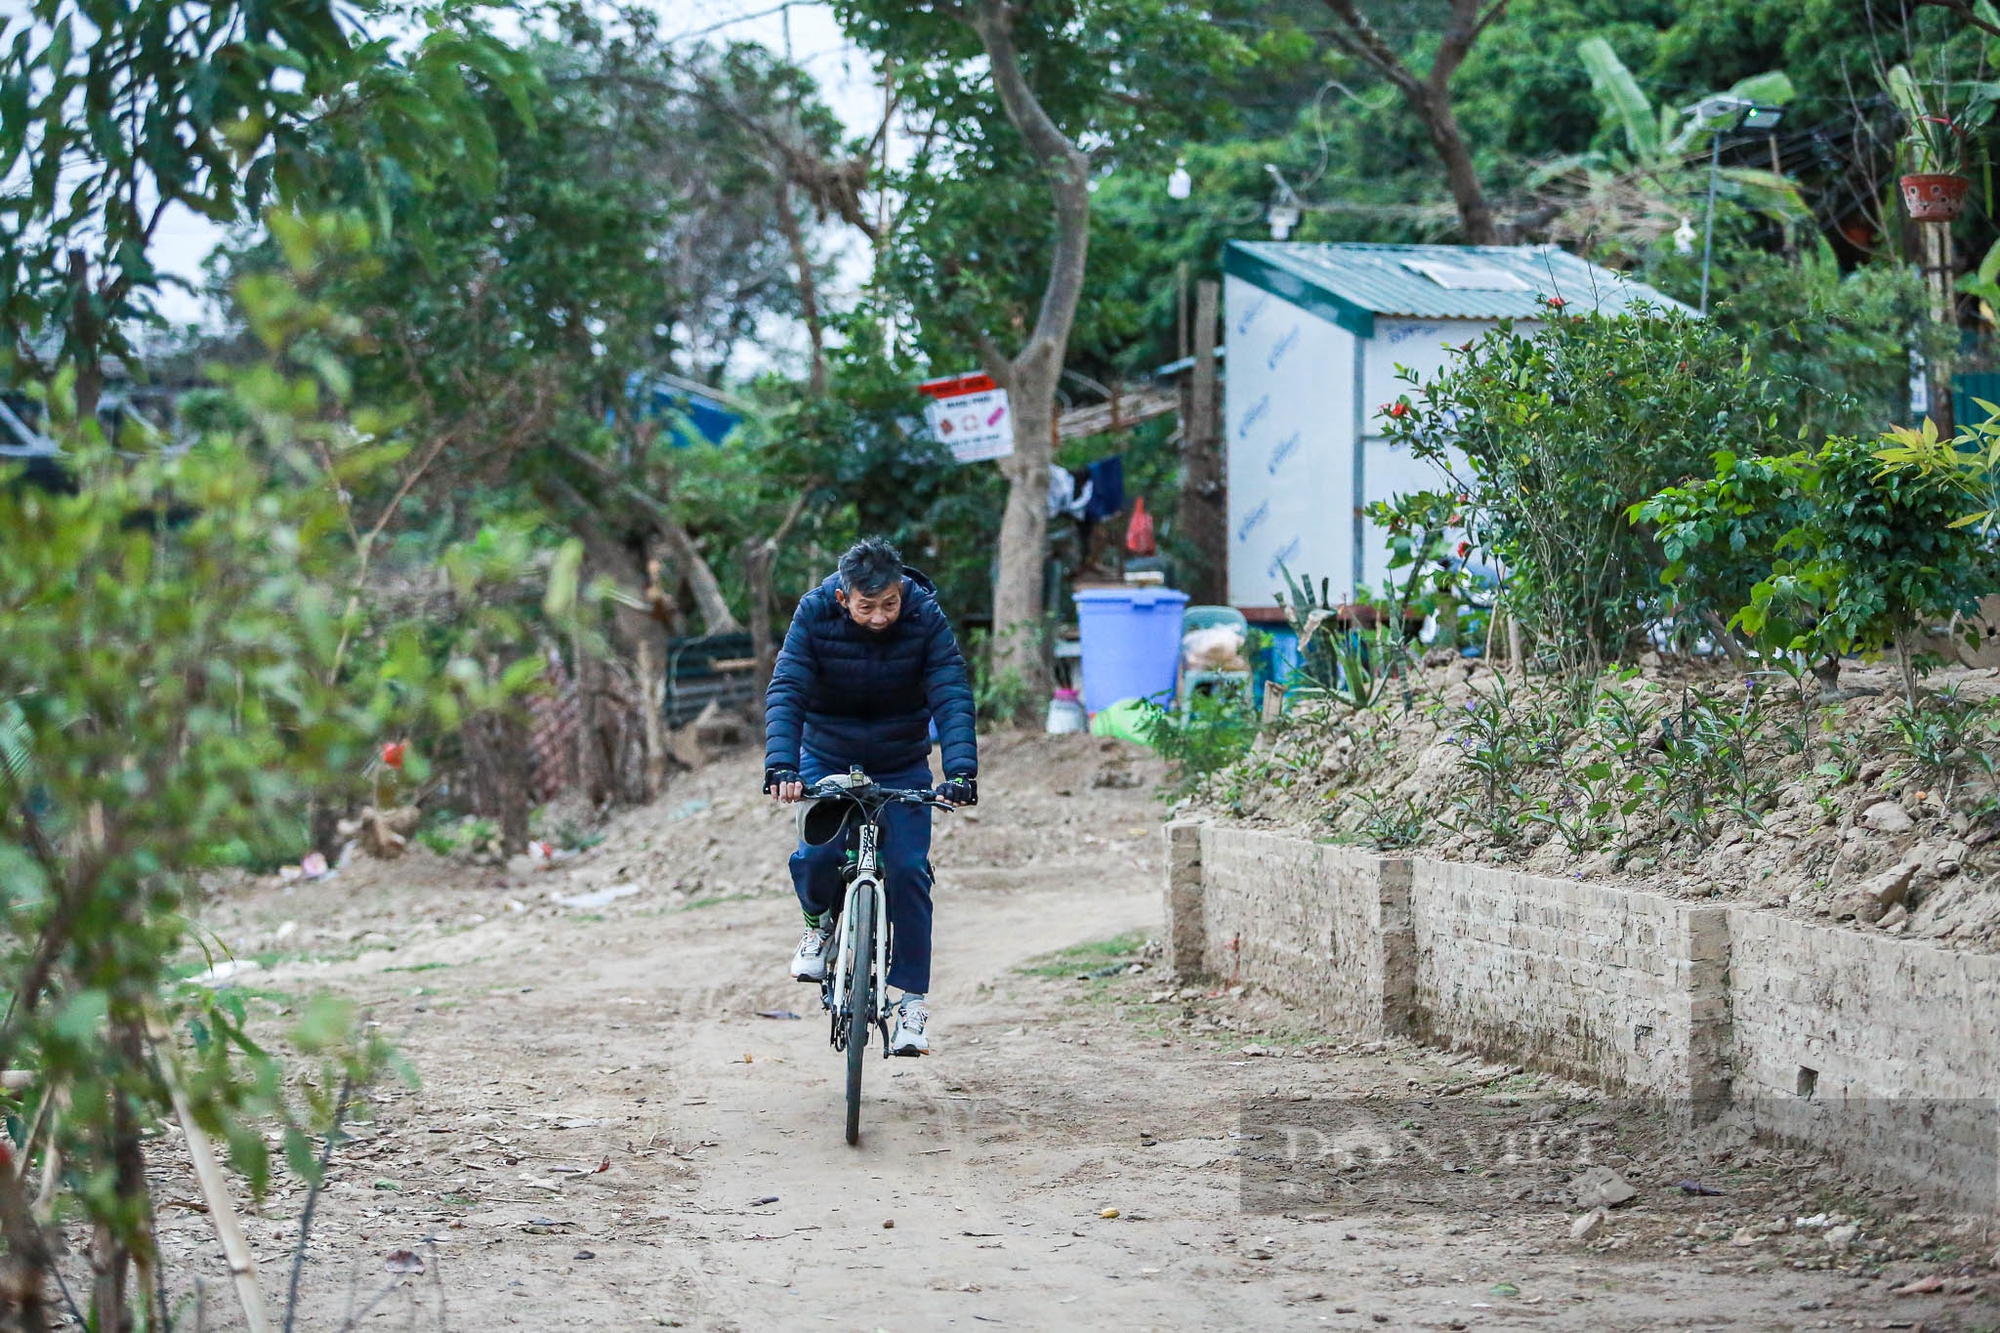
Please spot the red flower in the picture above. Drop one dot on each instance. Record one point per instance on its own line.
(392, 753)
(1463, 547)
(1557, 303)
(1397, 409)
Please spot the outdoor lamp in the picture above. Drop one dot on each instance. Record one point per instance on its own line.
(1718, 115)
(1283, 214)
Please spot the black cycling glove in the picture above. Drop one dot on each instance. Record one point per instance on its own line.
(778, 777)
(960, 791)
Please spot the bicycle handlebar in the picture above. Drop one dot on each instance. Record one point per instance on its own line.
(831, 787)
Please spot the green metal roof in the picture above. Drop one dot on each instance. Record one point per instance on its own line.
(1351, 284)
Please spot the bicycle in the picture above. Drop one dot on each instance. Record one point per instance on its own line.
(850, 806)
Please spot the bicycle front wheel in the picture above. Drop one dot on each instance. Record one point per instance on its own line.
(860, 1002)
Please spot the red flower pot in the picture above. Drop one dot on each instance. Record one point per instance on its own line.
(1932, 198)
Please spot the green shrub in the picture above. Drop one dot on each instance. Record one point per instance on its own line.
(1215, 733)
(1564, 428)
(1856, 555)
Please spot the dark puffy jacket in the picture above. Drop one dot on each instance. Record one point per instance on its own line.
(850, 697)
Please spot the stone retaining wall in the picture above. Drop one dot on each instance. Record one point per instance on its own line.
(1886, 1051)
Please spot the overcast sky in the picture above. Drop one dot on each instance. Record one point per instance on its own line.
(804, 28)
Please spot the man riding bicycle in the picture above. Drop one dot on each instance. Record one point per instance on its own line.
(868, 665)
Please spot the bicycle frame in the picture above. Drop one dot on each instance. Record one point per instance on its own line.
(866, 871)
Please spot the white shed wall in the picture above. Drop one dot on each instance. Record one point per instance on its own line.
(1388, 470)
(1289, 424)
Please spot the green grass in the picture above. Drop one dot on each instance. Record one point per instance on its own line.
(417, 967)
(1084, 957)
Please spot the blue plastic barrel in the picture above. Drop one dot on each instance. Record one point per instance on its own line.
(1131, 643)
(1282, 658)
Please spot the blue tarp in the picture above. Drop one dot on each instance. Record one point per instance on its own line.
(709, 412)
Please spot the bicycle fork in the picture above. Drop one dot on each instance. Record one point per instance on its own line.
(865, 872)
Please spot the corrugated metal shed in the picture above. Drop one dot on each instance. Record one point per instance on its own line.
(1351, 284)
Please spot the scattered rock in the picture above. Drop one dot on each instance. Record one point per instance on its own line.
(1588, 1224)
(1887, 817)
(1601, 1187)
(1841, 1239)
(1745, 1237)
(1894, 917)
(384, 834)
(1108, 1212)
(1873, 899)
(403, 1261)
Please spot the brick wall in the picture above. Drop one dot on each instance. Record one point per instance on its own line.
(1887, 1048)
(1325, 927)
(1884, 1050)
(1593, 982)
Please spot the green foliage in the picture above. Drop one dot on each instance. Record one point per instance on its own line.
(1215, 732)
(1720, 536)
(1837, 343)
(171, 696)
(1551, 436)
(970, 252)
(110, 115)
(1354, 667)
(1879, 552)
(1967, 466)
(999, 695)
(1940, 736)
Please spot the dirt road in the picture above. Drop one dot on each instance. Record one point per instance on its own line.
(609, 1134)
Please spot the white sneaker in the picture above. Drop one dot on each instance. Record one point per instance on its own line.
(908, 1037)
(809, 959)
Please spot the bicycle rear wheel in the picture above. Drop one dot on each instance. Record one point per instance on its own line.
(860, 1002)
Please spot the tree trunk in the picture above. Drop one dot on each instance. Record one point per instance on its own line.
(25, 1265)
(652, 697)
(1017, 647)
(1475, 215)
(1030, 375)
(758, 558)
(1937, 265)
(1204, 513)
(788, 223)
(716, 617)
(1429, 97)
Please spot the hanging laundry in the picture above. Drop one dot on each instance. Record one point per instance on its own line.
(1064, 497)
(1107, 487)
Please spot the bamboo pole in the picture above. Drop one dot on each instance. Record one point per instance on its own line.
(221, 1209)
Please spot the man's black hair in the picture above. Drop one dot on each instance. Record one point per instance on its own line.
(870, 567)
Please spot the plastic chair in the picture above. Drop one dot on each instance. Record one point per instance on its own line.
(1213, 617)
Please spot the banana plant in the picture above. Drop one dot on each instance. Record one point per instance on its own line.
(1640, 191)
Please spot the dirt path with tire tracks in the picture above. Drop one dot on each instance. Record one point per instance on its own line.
(607, 1134)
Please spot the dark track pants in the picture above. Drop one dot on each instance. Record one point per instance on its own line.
(906, 872)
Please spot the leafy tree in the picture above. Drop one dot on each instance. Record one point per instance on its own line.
(1551, 435)
(168, 704)
(1429, 96)
(1626, 197)
(991, 246)
(110, 117)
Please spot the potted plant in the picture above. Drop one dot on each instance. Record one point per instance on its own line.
(1940, 142)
